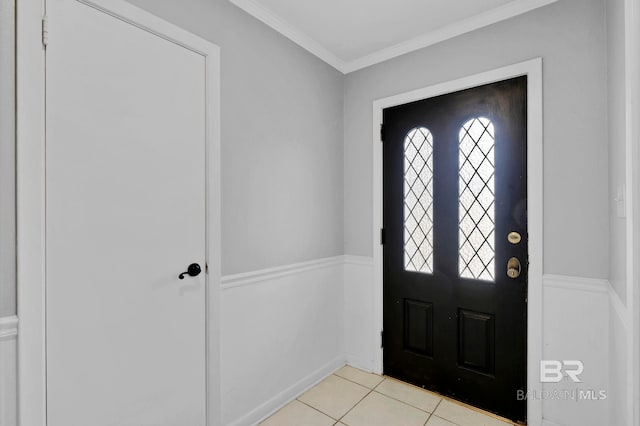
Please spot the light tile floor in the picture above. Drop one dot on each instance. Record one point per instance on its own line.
(352, 397)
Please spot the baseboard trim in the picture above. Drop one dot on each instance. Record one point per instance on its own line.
(359, 362)
(269, 407)
(8, 327)
(254, 277)
(594, 285)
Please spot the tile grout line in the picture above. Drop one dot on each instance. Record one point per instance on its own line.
(364, 386)
(434, 394)
(419, 389)
(443, 418)
(431, 414)
(476, 410)
(409, 385)
(321, 412)
(434, 411)
(374, 389)
(384, 378)
(454, 402)
(406, 403)
(348, 380)
(355, 405)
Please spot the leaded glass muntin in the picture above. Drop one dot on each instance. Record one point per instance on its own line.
(418, 200)
(476, 199)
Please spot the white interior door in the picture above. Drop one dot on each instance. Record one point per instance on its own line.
(125, 214)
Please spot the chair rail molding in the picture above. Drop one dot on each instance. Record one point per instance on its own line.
(8, 328)
(266, 274)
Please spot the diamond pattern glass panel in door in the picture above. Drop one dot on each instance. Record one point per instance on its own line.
(477, 200)
(418, 201)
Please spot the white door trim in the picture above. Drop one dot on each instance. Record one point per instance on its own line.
(31, 208)
(533, 70)
(632, 178)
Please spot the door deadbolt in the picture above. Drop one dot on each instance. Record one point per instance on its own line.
(514, 237)
(513, 268)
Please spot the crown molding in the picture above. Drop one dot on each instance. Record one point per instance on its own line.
(291, 32)
(438, 35)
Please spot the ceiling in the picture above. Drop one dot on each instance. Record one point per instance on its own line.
(353, 34)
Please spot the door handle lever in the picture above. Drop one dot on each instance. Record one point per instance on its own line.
(193, 270)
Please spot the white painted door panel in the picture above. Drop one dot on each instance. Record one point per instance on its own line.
(125, 158)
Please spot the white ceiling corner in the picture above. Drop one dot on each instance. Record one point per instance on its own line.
(290, 31)
(353, 34)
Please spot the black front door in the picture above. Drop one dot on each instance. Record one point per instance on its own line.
(455, 249)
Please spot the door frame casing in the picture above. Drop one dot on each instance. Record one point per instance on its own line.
(533, 70)
(31, 193)
(632, 178)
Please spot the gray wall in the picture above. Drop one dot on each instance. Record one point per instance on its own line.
(282, 131)
(7, 157)
(282, 115)
(615, 24)
(569, 35)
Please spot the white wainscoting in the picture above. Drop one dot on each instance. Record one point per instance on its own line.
(8, 371)
(619, 392)
(281, 333)
(284, 329)
(576, 326)
(359, 335)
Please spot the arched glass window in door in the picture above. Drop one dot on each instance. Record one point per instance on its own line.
(476, 211)
(418, 201)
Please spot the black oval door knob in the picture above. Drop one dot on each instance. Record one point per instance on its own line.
(193, 270)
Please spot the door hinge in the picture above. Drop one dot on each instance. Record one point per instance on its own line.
(382, 339)
(206, 268)
(383, 236)
(382, 134)
(45, 31)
